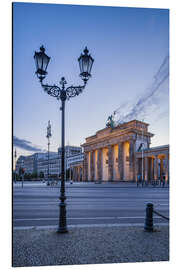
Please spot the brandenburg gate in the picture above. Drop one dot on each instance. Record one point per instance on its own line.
(113, 154)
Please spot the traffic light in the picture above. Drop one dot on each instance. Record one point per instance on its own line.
(21, 171)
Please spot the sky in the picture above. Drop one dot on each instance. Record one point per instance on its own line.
(130, 74)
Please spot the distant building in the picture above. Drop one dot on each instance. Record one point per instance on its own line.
(38, 162)
(76, 159)
(30, 164)
(75, 163)
(72, 153)
(19, 163)
(54, 164)
(70, 150)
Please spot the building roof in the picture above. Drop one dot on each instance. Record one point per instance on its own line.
(155, 148)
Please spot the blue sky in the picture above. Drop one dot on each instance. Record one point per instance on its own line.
(129, 46)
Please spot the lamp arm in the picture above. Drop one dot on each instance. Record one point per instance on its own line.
(56, 91)
(73, 91)
(52, 90)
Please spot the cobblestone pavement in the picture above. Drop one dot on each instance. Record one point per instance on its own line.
(89, 245)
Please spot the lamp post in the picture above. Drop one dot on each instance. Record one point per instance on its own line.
(48, 137)
(142, 155)
(61, 93)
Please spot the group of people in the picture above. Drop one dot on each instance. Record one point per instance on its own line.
(160, 181)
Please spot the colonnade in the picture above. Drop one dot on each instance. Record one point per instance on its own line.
(76, 172)
(154, 166)
(110, 163)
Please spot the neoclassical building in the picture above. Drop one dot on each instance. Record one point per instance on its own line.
(123, 152)
(155, 163)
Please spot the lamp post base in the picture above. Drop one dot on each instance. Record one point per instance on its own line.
(62, 218)
(62, 230)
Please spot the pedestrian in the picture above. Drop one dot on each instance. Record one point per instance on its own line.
(142, 181)
(138, 179)
(164, 179)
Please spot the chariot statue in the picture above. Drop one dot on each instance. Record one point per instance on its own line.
(110, 121)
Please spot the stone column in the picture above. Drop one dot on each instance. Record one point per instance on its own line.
(136, 169)
(152, 168)
(74, 174)
(161, 168)
(99, 164)
(120, 160)
(77, 170)
(92, 165)
(132, 151)
(77, 173)
(95, 165)
(81, 170)
(110, 162)
(167, 167)
(146, 168)
(156, 168)
(85, 167)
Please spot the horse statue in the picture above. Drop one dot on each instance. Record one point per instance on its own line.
(110, 121)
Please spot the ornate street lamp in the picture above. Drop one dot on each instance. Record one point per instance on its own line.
(42, 61)
(48, 137)
(63, 94)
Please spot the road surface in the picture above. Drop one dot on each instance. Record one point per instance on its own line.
(38, 205)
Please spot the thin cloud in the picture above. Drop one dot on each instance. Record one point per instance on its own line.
(25, 145)
(149, 100)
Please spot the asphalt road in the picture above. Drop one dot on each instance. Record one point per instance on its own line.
(38, 205)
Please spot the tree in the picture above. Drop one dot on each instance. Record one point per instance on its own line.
(34, 175)
(41, 175)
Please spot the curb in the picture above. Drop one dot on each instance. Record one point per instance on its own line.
(87, 226)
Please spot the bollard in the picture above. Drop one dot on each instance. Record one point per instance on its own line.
(148, 226)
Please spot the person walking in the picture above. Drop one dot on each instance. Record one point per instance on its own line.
(164, 179)
(138, 179)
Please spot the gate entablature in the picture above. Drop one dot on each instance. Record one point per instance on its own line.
(134, 130)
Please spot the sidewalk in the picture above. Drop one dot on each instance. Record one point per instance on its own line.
(89, 245)
(103, 184)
